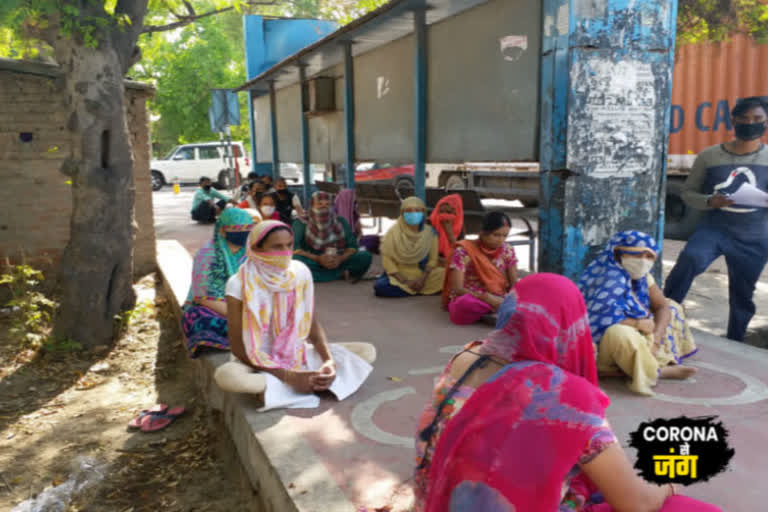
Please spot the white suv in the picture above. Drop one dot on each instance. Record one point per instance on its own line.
(189, 162)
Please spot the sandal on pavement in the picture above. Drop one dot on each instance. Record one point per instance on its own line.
(157, 410)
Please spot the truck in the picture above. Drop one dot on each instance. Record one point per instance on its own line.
(699, 118)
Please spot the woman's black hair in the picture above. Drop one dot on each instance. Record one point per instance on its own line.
(272, 232)
(744, 105)
(495, 220)
(262, 196)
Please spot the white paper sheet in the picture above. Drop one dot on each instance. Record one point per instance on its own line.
(351, 372)
(749, 195)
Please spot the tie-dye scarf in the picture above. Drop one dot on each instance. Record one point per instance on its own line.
(214, 263)
(278, 305)
(609, 292)
(323, 228)
(514, 442)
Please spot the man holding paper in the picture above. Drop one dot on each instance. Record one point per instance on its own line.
(729, 181)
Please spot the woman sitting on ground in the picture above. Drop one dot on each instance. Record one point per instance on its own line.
(448, 220)
(205, 311)
(267, 209)
(639, 333)
(345, 207)
(409, 254)
(480, 272)
(327, 245)
(287, 202)
(517, 422)
(280, 348)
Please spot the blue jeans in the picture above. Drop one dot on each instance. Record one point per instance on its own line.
(745, 261)
(383, 288)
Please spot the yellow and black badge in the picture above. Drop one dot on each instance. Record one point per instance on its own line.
(681, 450)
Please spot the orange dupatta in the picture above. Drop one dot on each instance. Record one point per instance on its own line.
(458, 206)
(493, 280)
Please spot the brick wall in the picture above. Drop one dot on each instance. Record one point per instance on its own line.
(35, 199)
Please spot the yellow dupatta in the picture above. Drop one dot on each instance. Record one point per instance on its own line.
(404, 245)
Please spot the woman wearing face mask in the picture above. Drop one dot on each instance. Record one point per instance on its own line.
(448, 220)
(409, 254)
(326, 244)
(267, 209)
(205, 311)
(279, 348)
(639, 333)
(480, 272)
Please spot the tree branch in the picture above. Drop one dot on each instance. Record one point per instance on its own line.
(124, 40)
(193, 16)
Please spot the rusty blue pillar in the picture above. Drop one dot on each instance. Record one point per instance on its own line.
(273, 131)
(420, 102)
(349, 113)
(304, 136)
(606, 74)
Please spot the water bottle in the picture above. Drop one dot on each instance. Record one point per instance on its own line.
(176, 187)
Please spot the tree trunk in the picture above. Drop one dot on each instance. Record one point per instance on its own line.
(97, 265)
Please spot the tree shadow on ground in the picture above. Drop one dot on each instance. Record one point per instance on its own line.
(190, 465)
(42, 379)
(758, 337)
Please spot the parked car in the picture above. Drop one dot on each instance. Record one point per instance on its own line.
(189, 162)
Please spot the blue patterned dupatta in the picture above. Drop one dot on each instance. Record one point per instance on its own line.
(609, 292)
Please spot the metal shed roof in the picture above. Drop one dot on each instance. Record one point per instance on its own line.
(388, 23)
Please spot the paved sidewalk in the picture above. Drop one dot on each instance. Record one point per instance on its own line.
(359, 452)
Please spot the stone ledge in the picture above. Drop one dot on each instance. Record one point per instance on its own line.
(281, 465)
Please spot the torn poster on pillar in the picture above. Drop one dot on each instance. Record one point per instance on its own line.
(613, 129)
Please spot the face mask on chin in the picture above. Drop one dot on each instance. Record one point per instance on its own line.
(206, 187)
(637, 268)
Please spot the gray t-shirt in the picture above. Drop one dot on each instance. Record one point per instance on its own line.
(716, 170)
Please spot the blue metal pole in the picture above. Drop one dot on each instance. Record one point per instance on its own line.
(304, 136)
(252, 123)
(273, 129)
(349, 113)
(602, 76)
(420, 107)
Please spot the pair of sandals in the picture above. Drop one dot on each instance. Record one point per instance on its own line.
(156, 418)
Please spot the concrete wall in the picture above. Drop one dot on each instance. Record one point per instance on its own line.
(288, 123)
(35, 199)
(484, 84)
(384, 103)
(327, 142)
(263, 142)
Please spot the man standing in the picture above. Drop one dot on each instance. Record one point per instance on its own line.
(205, 207)
(740, 232)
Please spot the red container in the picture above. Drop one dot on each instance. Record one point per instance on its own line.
(708, 79)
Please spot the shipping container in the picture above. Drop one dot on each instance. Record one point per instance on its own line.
(708, 79)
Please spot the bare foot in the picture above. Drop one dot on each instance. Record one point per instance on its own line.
(677, 371)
